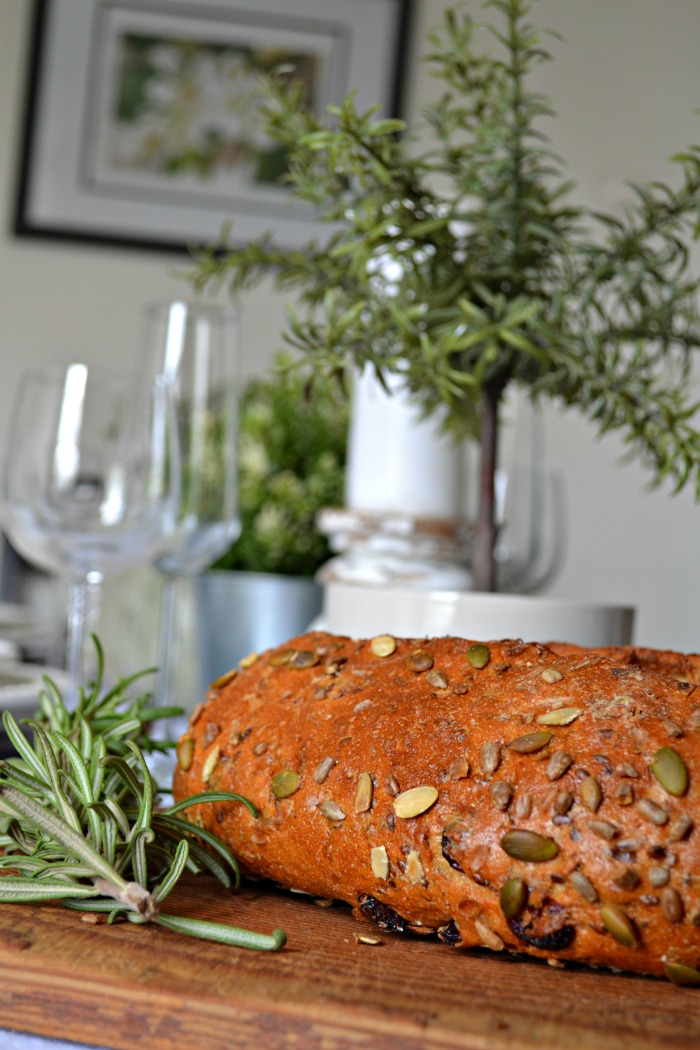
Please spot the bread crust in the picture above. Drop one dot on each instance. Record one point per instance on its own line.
(684, 667)
(352, 731)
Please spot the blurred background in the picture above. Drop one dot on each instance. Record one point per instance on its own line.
(626, 89)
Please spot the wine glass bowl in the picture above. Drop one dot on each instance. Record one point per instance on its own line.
(193, 346)
(88, 482)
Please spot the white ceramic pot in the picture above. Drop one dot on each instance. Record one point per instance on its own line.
(361, 611)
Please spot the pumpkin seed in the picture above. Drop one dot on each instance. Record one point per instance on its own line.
(561, 716)
(513, 898)
(501, 793)
(550, 674)
(591, 793)
(249, 660)
(285, 783)
(363, 793)
(383, 645)
(672, 904)
(558, 765)
(583, 886)
(224, 679)
(419, 660)
(528, 845)
(185, 753)
(415, 801)
(331, 810)
(530, 743)
(682, 975)
(670, 770)
(323, 769)
(652, 812)
(490, 756)
(478, 655)
(618, 925)
(379, 859)
(210, 763)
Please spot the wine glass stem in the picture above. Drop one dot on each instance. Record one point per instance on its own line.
(84, 593)
(167, 648)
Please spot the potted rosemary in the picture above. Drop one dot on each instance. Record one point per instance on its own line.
(292, 442)
(498, 279)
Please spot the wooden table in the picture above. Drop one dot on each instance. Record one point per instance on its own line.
(125, 986)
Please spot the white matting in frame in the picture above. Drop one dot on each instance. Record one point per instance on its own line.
(143, 125)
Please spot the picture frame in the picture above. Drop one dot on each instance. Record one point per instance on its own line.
(142, 125)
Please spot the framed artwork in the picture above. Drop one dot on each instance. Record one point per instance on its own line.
(143, 125)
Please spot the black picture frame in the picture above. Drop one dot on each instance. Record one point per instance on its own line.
(93, 168)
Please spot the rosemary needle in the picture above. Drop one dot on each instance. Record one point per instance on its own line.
(79, 820)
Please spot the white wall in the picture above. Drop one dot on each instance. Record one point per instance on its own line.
(625, 85)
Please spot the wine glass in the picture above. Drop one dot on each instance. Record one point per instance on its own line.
(88, 485)
(193, 346)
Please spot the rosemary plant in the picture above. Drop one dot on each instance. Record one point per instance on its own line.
(457, 259)
(80, 820)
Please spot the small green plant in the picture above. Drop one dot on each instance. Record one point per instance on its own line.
(291, 464)
(456, 258)
(80, 819)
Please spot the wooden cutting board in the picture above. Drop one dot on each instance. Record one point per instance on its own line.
(121, 986)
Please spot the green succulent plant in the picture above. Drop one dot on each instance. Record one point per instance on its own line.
(291, 464)
(456, 257)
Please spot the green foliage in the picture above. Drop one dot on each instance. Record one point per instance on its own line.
(456, 256)
(291, 464)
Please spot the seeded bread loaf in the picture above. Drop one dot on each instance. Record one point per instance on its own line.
(498, 794)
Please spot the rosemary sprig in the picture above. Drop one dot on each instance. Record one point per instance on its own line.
(80, 819)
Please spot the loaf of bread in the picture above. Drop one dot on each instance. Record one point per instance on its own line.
(498, 794)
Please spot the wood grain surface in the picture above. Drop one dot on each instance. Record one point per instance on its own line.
(121, 986)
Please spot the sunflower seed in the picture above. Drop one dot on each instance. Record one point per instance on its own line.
(459, 769)
(672, 728)
(414, 868)
(563, 802)
(550, 674)
(591, 793)
(260, 748)
(489, 938)
(529, 846)
(680, 828)
(628, 879)
(383, 645)
(561, 716)
(185, 753)
(624, 794)
(392, 785)
(583, 886)
(379, 860)
(249, 660)
(490, 756)
(223, 680)
(558, 765)
(363, 793)
(603, 829)
(323, 769)
(618, 925)
(415, 801)
(419, 660)
(658, 876)
(626, 769)
(437, 679)
(523, 806)
(331, 810)
(530, 743)
(670, 770)
(672, 904)
(501, 793)
(652, 812)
